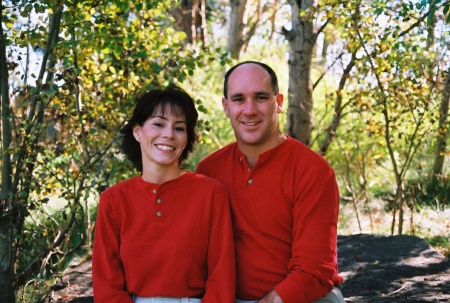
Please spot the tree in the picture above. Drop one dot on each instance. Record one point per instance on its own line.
(191, 18)
(442, 133)
(95, 58)
(237, 25)
(441, 143)
(302, 38)
(7, 255)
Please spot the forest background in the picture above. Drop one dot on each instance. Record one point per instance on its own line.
(366, 85)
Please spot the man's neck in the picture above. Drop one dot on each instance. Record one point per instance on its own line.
(252, 152)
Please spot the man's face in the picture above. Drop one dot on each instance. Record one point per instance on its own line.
(252, 106)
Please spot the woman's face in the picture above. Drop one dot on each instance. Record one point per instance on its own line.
(163, 138)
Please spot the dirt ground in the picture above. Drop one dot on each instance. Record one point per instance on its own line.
(375, 268)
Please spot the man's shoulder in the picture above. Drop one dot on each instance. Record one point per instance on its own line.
(297, 151)
(217, 160)
(221, 153)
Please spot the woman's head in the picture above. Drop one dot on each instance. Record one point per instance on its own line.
(154, 103)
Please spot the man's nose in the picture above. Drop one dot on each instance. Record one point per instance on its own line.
(249, 106)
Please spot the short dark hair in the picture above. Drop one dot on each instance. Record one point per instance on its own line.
(272, 74)
(180, 103)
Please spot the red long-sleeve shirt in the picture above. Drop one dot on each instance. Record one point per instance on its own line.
(171, 240)
(284, 212)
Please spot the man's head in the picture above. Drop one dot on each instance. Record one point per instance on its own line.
(252, 102)
(270, 71)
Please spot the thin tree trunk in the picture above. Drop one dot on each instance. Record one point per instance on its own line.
(9, 202)
(203, 27)
(302, 38)
(235, 33)
(441, 143)
(193, 18)
(183, 16)
(338, 107)
(7, 292)
(441, 140)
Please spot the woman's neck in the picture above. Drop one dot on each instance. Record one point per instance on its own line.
(160, 174)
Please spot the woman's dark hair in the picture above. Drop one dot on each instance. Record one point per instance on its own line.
(180, 103)
(272, 74)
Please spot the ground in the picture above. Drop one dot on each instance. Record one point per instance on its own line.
(375, 268)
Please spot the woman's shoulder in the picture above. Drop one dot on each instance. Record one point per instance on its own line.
(204, 180)
(124, 185)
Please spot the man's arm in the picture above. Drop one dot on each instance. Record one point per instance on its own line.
(313, 264)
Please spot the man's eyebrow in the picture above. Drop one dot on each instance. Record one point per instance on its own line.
(236, 95)
(261, 93)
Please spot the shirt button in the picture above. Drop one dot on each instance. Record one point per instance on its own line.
(249, 169)
(159, 214)
(158, 200)
(250, 181)
(154, 191)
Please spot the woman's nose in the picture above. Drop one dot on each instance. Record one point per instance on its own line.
(168, 132)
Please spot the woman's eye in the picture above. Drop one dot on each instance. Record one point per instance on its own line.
(158, 124)
(180, 129)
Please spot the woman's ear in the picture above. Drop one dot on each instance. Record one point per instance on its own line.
(137, 132)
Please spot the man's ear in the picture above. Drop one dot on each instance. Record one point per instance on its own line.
(225, 105)
(279, 100)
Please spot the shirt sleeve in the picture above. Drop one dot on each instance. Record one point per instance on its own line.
(108, 276)
(220, 285)
(313, 265)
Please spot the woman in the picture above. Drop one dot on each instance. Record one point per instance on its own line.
(165, 235)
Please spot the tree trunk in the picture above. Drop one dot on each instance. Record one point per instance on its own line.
(183, 17)
(235, 33)
(7, 293)
(441, 140)
(203, 27)
(190, 15)
(302, 38)
(338, 107)
(441, 143)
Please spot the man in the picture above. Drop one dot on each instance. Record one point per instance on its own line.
(284, 198)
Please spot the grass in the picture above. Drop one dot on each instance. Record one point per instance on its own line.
(426, 223)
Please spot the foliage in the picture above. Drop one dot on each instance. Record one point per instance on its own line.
(378, 73)
(76, 70)
(390, 98)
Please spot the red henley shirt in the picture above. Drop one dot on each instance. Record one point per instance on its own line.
(171, 240)
(284, 212)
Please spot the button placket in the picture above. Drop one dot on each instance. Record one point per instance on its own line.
(248, 171)
(159, 212)
(157, 208)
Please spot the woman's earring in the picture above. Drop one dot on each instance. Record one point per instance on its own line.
(137, 139)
